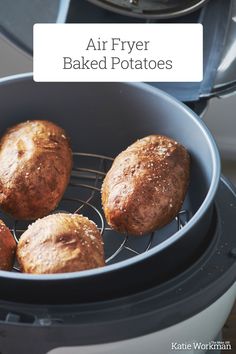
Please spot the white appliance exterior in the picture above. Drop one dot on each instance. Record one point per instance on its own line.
(201, 328)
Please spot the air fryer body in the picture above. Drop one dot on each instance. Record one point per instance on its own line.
(196, 333)
(189, 304)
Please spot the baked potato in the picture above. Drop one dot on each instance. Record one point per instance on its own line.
(146, 185)
(7, 247)
(36, 162)
(60, 243)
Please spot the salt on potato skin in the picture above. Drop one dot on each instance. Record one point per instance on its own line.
(36, 163)
(146, 185)
(7, 247)
(60, 243)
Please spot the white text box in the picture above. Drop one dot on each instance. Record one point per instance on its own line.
(118, 52)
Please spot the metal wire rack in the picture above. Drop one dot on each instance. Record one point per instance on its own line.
(83, 196)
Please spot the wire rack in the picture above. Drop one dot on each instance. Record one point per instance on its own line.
(83, 197)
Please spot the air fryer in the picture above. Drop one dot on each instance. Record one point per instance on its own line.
(176, 285)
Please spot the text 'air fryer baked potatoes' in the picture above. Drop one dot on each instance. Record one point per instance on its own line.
(146, 185)
(36, 162)
(60, 243)
(7, 247)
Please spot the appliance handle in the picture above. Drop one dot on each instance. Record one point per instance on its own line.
(225, 81)
(11, 317)
(222, 91)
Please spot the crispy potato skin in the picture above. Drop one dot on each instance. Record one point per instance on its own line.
(146, 185)
(7, 247)
(60, 243)
(36, 162)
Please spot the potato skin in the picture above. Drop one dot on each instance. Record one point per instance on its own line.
(7, 247)
(146, 185)
(36, 162)
(60, 243)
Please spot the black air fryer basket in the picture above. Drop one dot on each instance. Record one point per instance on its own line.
(102, 119)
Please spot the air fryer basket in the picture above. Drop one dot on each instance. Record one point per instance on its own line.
(102, 119)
